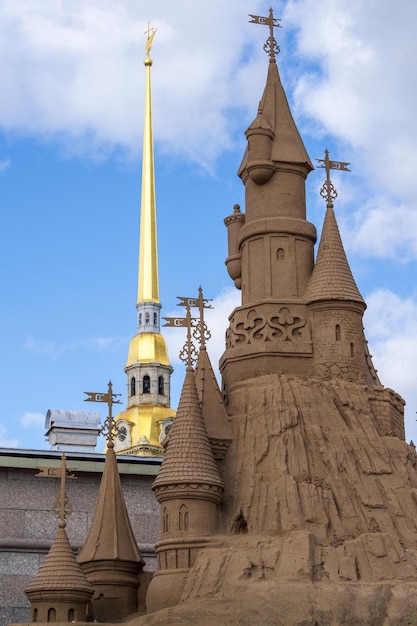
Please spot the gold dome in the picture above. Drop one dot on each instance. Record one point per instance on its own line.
(147, 348)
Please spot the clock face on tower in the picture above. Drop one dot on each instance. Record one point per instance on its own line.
(123, 438)
(122, 433)
(164, 428)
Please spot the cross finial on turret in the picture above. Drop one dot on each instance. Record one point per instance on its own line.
(328, 192)
(271, 47)
(109, 429)
(62, 506)
(201, 332)
(196, 327)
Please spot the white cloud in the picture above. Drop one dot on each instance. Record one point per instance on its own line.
(76, 71)
(4, 165)
(356, 90)
(39, 346)
(30, 420)
(5, 441)
(376, 221)
(391, 329)
(104, 343)
(73, 72)
(53, 349)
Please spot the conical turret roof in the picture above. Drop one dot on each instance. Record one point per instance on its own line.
(274, 113)
(215, 416)
(59, 571)
(188, 458)
(332, 277)
(111, 535)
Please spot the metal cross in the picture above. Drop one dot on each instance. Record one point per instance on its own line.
(110, 430)
(150, 32)
(188, 354)
(62, 506)
(271, 47)
(201, 333)
(196, 326)
(328, 192)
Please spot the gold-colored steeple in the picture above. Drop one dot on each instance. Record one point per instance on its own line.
(148, 290)
(148, 415)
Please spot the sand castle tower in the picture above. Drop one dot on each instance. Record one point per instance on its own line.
(110, 557)
(188, 487)
(60, 592)
(318, 517)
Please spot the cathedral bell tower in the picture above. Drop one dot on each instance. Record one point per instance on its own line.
(143, 425)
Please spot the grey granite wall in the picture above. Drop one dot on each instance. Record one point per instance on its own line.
(28, 526)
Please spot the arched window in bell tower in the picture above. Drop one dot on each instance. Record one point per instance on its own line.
(280, 254)
(352, 349)
(71, 615)
(146, 384)
(155, 319)
(165, 521)
(183, 517)
(161, 385)
(337, 332)
(133, 386)
(51, 615)
(35, 615)
(147, 318)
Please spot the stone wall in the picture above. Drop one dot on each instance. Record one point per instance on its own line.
(388, 409)
(28, 526)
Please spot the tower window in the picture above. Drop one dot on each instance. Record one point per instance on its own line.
(161, 385)
(183, 518)
(337, 332)
(147, 318)
(155, 319)
(35, 615)
(51, 615)
(165, 521)
(71, 615)
(146, 384)
(280, 254)
(352, 349)
(133, 386)
(140, 319)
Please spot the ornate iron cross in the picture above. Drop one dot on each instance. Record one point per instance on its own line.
(328, 192)
(196, 326)
(271, 47)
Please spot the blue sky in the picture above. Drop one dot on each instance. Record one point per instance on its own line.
(71, 116)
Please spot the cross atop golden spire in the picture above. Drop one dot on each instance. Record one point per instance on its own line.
(151, 34)
(328, 191)
(271, 47)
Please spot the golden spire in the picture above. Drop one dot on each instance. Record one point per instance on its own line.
(148, 290)
(144, 422)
